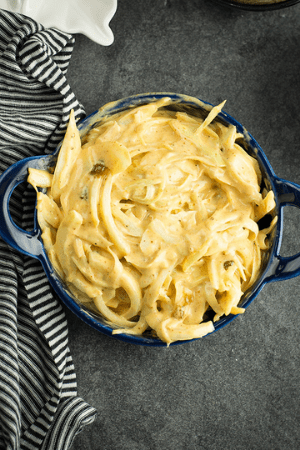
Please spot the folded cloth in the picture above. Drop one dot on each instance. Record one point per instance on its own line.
(39, 407)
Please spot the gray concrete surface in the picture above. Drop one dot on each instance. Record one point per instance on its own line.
(238, 388)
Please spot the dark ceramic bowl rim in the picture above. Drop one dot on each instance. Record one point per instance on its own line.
(270, 7)
(277, 267)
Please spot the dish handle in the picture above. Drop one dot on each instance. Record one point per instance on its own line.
(26, 242)
(283, 268)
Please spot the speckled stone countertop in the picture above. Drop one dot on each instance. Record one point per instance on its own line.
(237, 388)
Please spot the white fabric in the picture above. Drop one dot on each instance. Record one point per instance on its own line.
(89, 17)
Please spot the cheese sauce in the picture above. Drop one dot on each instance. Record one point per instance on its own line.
(151, 220)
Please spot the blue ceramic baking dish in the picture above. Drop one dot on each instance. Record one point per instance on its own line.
(275, 267)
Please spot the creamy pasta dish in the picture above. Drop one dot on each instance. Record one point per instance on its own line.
(152, 220)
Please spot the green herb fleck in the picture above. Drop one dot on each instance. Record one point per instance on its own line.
(228, 264)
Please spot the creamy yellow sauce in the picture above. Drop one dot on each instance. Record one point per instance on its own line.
(151, 220)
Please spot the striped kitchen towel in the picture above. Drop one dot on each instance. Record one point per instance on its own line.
(39, 407)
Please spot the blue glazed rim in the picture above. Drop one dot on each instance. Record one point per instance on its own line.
(275, 268)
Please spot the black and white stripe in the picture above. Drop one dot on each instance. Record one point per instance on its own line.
(39, 407)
